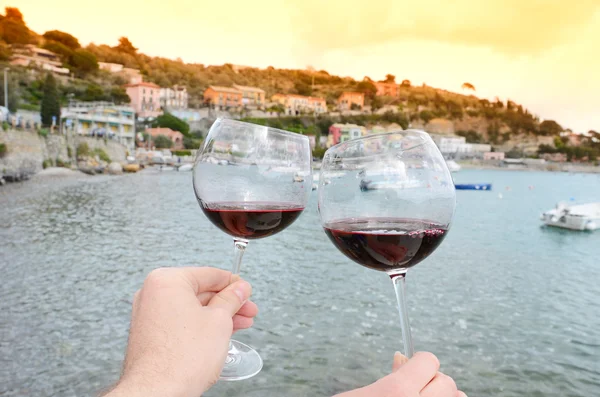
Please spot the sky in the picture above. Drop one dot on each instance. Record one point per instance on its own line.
(544, 54)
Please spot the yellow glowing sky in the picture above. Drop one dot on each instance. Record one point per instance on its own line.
(542, 53)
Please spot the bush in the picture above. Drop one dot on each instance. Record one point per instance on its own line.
(162, 142)
(319, 152)
(29, 106)
(69, 152)
(60, 163)
(83, 150)
(426, 116)
(3, 149)
(46, 163)
(5, 125)
(181, 153)
(190, 143)
(102, 155)
(43, 132)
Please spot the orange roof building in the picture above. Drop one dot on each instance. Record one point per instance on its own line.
(347, 99)
(223, 96)
(296, 104)
(387, 89)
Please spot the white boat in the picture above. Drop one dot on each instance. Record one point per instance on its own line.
(453, 166)
(574, 217)
(185, 167)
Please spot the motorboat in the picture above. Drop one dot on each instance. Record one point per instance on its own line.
(573, 217)
(453, 166)
(185, 167)
(473, 186)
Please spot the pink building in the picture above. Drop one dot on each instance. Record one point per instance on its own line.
(145, 99)
(175, 136)
(493, 156)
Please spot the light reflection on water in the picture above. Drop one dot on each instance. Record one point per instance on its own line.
(509, 307)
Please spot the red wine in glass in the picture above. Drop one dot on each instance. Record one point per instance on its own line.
(385, 244)
(251, 221)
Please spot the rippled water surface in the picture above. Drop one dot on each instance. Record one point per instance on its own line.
(511, 309)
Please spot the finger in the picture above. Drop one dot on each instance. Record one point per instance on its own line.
(441, 385)
(399, 360)
(232, 298)
(461, 394)
(241, 322)
(249, 309)
(417, 372)
(205, 297)
(204, 279)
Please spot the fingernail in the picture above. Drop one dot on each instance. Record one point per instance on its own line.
(241, 290)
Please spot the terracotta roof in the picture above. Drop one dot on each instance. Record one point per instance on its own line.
(247, 88)
(144, 84)
(225, 89)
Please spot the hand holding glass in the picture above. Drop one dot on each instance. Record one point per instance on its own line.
(386, 202)
(251, 181)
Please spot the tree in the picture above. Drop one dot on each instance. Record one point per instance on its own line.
(167, 120)
(376, 104)
(302, 88)
(390, 78)
(367, 87)
(84, 62)
(94, 92)
(471, 136)
(50, 102)
(5, 51)
(549, 128)
(62, 50)
(13, 95)
(162, 142)
(426, 116)
(13, 29)
(405, 83)
(468, 86)
(63, 38)
(126, 46)
(119, 95)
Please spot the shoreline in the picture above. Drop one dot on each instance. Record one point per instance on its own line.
(549, 167)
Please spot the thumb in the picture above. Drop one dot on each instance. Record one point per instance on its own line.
(232, 297)
(399, 360)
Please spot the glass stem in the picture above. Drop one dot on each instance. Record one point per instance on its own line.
(239, 247)
(400, 287)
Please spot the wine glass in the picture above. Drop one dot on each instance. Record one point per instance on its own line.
(251, 181)
(386, 202)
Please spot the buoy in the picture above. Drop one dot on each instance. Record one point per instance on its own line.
(500, 195)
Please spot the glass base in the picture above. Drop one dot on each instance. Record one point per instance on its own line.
(242, 362)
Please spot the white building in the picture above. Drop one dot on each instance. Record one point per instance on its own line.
(110, 67)
(449, 143)
(101, 119)
(174, 98)
(31, 55)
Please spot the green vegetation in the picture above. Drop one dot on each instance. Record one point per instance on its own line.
(43, 132)
(162, 142)
(69, 152)
(50, 102)
(60, 163)
(82, 150)
(3, 149)
(101, 155)
(191, 143)
(5, 125)
(46, 163)
(181, 153)
(167, 120)
(471, 136)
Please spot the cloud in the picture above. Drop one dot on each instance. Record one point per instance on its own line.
(513, 27)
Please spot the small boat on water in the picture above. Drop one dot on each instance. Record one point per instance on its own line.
(573, 217)
(473, 186)
(453, 166)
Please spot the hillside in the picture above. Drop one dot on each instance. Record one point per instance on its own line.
(506, 124)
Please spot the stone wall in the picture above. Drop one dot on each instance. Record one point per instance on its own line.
(27, 151)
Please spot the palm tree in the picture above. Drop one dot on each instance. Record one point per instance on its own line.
(468, 86)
